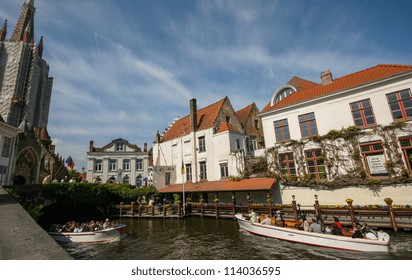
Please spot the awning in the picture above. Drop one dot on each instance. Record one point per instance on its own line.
(253, 184)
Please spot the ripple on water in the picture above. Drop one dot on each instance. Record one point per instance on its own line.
(216, 239)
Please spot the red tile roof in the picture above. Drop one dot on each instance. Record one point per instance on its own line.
(206, 118)
(225, 126)
(253, 184)
(243, 114)
(357, 79)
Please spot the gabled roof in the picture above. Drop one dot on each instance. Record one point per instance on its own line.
(253, 184)
(354, 80)
(225, 126)
(206, 118)
(243, 114)
(111, 144)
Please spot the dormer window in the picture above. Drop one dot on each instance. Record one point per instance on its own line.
(120, 146)
(228, 119)
(282, 93)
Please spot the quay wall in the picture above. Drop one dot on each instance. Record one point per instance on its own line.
(401, 194)
(21, 238)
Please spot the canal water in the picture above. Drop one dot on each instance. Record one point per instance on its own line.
(197, 238)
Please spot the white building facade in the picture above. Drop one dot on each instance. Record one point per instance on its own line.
(118, 162)
(206, 145)
(357, 126)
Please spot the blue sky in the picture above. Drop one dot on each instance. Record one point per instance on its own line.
(128, 68)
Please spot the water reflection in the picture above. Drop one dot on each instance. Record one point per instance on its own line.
(216, 239)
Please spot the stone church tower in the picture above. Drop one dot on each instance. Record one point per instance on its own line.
(25, 96)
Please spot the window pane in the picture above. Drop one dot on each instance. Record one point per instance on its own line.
(405, 94)
(305, 131)
(370, 120)
(407, 103)
(368, 112)
(392, 97)
(357, 115)
(366, 103)
(395, 106)
(359, 122)
(397, 115)
(408, 112)
(354, 106)
(311, 162)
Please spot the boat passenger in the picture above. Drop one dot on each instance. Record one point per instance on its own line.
(252, 216)
(106, 224)
(336, 230)
(266, 220)
(279, 219)
(338, 224)
(314, 226)
(357, 232)
(78, 228)
(369, 233)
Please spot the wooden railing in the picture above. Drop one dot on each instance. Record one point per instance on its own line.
(386, 217)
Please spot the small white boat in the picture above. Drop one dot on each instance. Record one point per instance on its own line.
(317, 239)
(104, 235)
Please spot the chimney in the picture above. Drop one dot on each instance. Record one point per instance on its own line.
(193, 115)
(157, 137)
(326, 77)
(91, 148)
(145, 147)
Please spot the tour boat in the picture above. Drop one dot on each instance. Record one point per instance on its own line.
(104, 235)
(316, 239)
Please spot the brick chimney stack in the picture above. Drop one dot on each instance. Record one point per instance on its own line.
(193, 115)
(193, 129)
(91, 147)
(326, 77)
(145, 147)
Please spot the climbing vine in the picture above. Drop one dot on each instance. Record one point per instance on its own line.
(341, 156)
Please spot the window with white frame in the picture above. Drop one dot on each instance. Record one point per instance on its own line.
(139, 164)
(112, 165)
(202, 144)
(224, 170)
(203, 171)
(126, 164)
(98, 165)
(120, 147)
(189, 172)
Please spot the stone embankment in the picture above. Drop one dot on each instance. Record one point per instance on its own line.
(21, 238)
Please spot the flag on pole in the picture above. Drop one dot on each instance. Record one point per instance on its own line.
(183, 168)
(70, 162)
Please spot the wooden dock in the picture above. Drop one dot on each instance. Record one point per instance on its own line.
(382, 217)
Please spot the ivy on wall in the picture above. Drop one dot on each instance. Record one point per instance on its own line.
(341, 155)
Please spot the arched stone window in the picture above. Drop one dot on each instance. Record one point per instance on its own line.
(139, 181)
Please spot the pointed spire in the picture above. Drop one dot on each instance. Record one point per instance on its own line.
(27, 35)
(25, 22)
(40, 47)
(3, 31)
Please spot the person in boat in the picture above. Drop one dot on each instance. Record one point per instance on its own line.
(337, 225)
(252, 216)
(368, 233)
(357, 232)
(315, 227)
(336, 230)
(279, 219)
(106, 223)
(267, 220)
(304, 224)
(78, 228)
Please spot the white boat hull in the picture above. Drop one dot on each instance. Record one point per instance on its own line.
(103, 235)
(316, 239)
